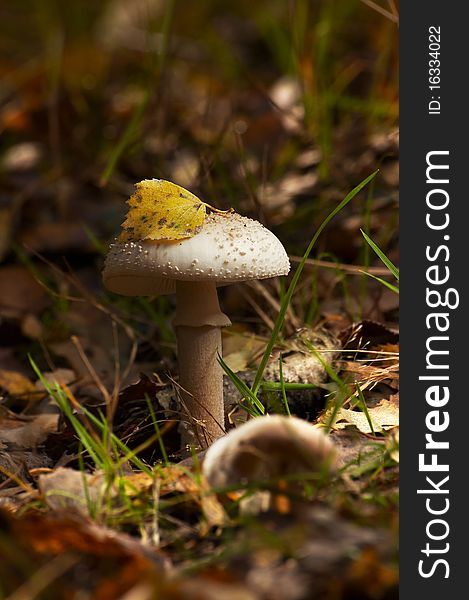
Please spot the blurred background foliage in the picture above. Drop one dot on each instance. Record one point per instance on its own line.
(222, 96)
(277, 108)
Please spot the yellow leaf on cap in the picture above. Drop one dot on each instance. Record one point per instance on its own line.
(161, 210)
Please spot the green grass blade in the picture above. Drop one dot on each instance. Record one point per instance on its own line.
(282, 385)
(130, 133)
(384, 259)
(98, 449)
(343, 390)
(157, 429)
(364, 408)
(97, 454)
(258, 408)
(289, 293)
(274, 386)
(392, 287)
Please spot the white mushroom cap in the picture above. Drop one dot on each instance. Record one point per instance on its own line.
(228, 248)
(268, 447)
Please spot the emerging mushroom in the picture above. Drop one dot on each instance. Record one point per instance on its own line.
(227, 249)
(268, 448)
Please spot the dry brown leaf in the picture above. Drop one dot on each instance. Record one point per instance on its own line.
(32, 327)
(16, 383)
(28, 434)
(16, 465)
(177, 479)
(381, 369)
(369, 573)
(392, 444)
(59, 376)
(368, 334)
(21, 293)
(384, 416)
(353, 446)
(98, 551)
(68, 489)
(240, 349)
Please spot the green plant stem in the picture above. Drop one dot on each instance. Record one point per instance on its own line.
(289, 293)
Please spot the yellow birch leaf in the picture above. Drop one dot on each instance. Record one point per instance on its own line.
(161, 210)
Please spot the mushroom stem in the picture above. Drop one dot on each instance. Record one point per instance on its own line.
(198, 325)
(201, 378)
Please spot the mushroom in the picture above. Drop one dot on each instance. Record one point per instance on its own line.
(227, 249)
(268, 448)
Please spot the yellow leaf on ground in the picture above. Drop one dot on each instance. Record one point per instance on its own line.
(161, 210)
